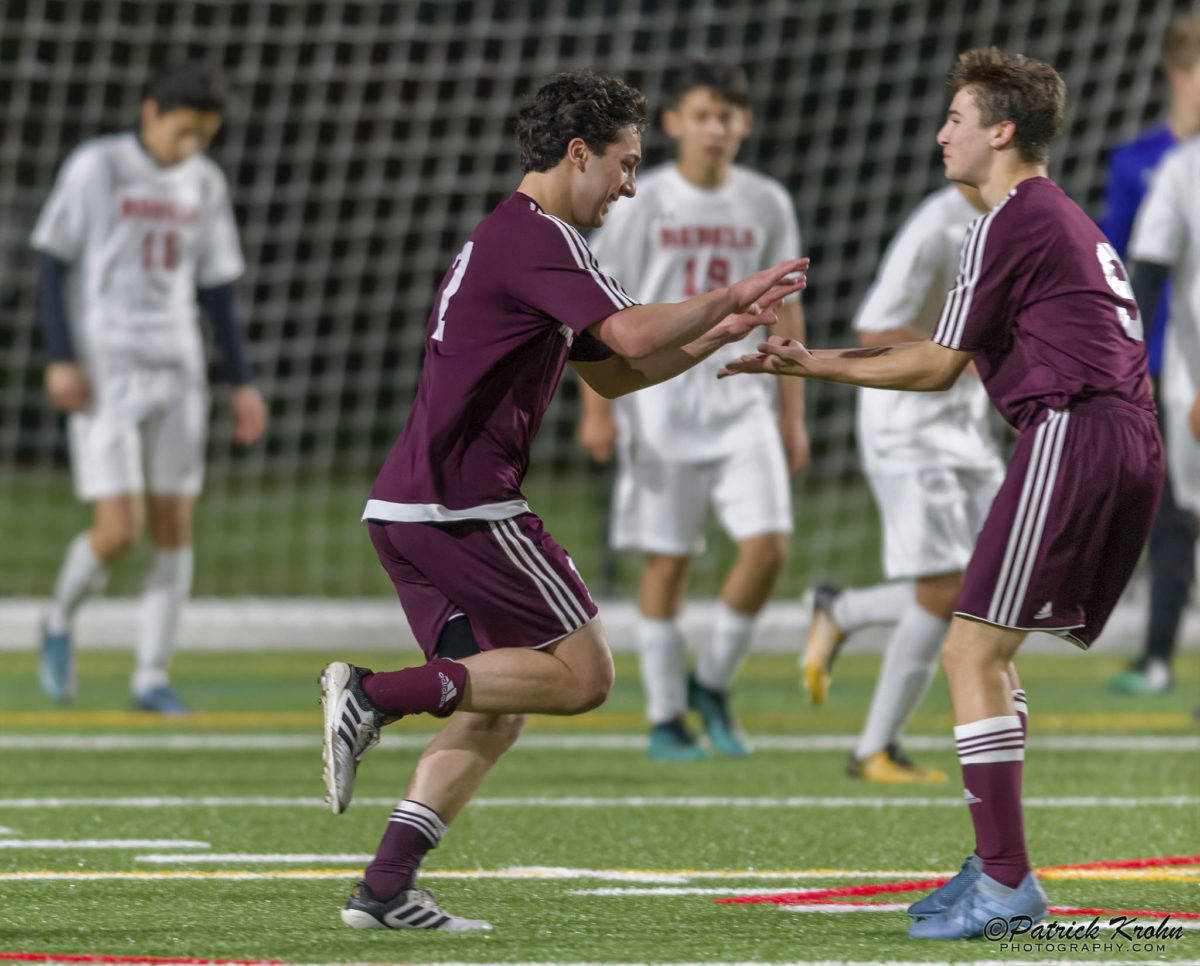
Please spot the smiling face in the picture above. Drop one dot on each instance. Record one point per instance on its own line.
(600, 179)
(968, 146)
(174, 136)
(707, 128)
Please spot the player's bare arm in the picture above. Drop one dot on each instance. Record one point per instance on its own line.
(916, 366)
(642, 330)
(792, 428)
(597, 430)
(67, 386)
(250, 414)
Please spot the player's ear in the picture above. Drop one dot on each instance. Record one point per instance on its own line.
(1002, 134)
(747, 120)
(578, 153)
(149, 110)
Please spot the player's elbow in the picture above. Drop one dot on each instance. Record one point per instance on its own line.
(628, 339)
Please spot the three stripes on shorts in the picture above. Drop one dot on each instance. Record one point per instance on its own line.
(528, 559)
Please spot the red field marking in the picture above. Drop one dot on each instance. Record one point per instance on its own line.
(812, 896)
(91, 958)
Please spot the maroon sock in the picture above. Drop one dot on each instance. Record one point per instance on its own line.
(413, 830)
(1022, 710)
(991, 753)
(435, 688)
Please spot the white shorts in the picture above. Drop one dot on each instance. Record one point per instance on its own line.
(662, 506)
(144, 432)
(931, 517)
(1183, 454)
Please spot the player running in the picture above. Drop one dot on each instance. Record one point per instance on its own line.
(504, 619)
(136, 232)
(689, 444)
(1043, 307)
(933, 465)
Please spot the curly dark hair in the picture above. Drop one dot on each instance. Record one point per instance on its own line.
(1012, 87)
(189, 84)
(580, 104)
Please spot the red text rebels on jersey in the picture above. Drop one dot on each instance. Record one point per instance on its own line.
(160, 210)
(713, 236)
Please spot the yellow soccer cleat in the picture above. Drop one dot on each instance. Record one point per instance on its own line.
(892, 767)
(824, 641)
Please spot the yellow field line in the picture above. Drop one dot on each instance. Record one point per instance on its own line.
(1122, 875)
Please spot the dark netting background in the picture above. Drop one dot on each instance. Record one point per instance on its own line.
(364, 142)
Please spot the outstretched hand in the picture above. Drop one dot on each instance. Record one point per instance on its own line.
(756, 293)
(784, 357)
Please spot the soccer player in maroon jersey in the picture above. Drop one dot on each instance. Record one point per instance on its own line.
(1044, 308)
(504, 619)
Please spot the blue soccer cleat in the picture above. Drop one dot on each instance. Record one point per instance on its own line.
(160, 699)
(713, 707)
(944, 897)
(985, 903)
(56, 666)
(671, 741)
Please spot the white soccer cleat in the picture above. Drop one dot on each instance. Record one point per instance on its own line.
(410, 909)
(352, 726)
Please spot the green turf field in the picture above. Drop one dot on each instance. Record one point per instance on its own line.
(301, 538)
(578, 849)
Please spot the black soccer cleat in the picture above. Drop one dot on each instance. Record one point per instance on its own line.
(410, 909)
(352, 724)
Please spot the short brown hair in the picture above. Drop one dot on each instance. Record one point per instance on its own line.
(1012, 87)
(581, 104)
(1181, 42)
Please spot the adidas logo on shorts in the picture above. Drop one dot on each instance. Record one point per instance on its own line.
(1046, 611)
(449, 691)
(970, 797)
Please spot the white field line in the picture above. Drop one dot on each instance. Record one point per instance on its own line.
(557, 872)
(72, 844)
(5, 830)
(573, 742)
(634, 801)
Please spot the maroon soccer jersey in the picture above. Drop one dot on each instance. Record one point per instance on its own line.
(1044, 302)
(502, 326)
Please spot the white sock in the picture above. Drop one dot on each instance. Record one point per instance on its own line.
(860, 607)
(168, 583)
(909, 664)
(718, 661)
(81, 575)
(663, 659)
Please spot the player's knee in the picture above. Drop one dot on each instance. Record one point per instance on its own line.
(773, 553)
(113, 538)
(509, 728)
(593, 690)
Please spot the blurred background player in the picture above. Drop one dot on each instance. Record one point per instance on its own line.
(137, 231)
(1166, 242)
(692, 443)
(1173, 539)
(505, 622)
(934, 466)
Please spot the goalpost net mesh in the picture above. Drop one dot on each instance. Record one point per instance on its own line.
(363, 143)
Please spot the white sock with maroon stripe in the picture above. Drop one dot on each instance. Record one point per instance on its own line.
(662, 656)
(991, 752)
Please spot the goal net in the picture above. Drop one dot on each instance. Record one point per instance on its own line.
(363, 143)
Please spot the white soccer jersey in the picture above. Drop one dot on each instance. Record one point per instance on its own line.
(669, 242)
(1167, 232)
(902, 431)
(140, 239)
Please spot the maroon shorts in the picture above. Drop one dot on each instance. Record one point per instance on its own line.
(1068, 525)
(516, 585)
